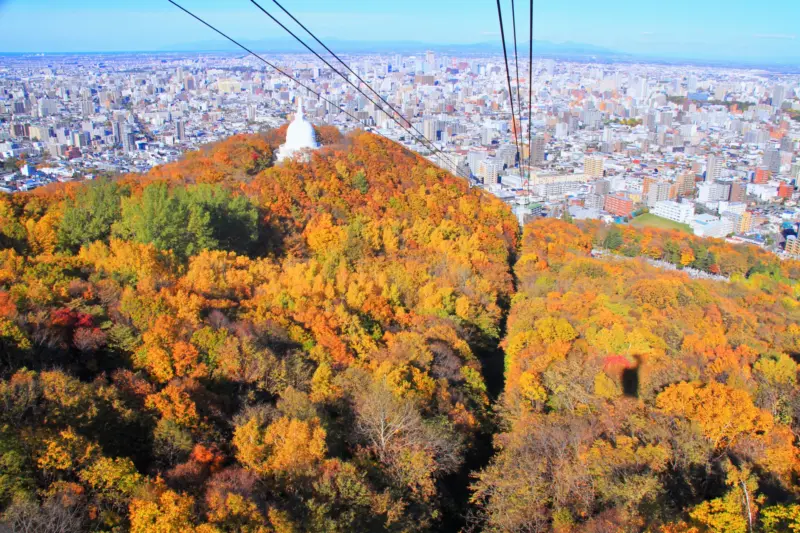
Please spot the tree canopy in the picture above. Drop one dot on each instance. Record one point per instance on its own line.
(221, 344)
(225, 344)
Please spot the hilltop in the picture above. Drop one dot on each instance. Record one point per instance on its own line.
(227, 345)
(224, 344)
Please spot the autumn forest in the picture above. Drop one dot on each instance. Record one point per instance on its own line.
(361, 342)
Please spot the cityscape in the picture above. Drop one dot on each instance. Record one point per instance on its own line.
(407, 267)
(713, 150)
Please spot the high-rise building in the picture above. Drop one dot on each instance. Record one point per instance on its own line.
(507, 155)
(714, 165)
(488, 171)
(432, 129)
(601, 187)
(593, 201)
(537, 152)
(647, 182)
(738, 191)
(643, 88)
(684, 184)
(40, 133)
(80, 139)
(19, 131)
(180, 130)
(713, 191)
(785, 190)
(87, 107)
(487, 135)
(742, 222)
(128, 141)
(117, 129)
(778, 95)
(48, 107)
(649, 121)
(772, 160)
(792, 245)
(762, 175)
(593, 167)
(658, 192)
(474, 158)
(745, 222)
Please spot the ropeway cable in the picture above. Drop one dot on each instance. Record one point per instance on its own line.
(279, 70)
(429, 144)
(516, 70)
(508, 75)
(530, 97)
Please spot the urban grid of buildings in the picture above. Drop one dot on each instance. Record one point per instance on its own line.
(715, 149)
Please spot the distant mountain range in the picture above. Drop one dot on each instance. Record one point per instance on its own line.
(540, 48)
(566, 50)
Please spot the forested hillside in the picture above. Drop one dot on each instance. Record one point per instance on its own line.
(223, 345)
(639, 399)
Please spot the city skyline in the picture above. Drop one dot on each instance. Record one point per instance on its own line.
(708, 32)
(397, 284)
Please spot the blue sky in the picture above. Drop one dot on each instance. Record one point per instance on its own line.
(727, 29)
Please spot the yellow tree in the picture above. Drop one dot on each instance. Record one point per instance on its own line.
(43, 234)
(287, 447)
(723, 413)
(170, 512)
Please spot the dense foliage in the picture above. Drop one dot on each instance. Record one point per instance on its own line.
(639, 399)
(713, 256)
(228, 345)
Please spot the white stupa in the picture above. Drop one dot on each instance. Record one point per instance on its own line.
(300, 136)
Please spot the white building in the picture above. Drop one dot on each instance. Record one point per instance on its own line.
(474, 158)
(507, 155)
(658, 192)
(488, 170)
(714, 166)
(561, 188)
(711, 226)
(763, 191)
(300, 136)
(711, 191)
(678, 212)
(732, 207)
(514, 180)
(593, 166)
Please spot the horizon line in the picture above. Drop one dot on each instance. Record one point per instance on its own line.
(601, 54)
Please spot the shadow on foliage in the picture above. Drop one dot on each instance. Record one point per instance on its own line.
(630, 382)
